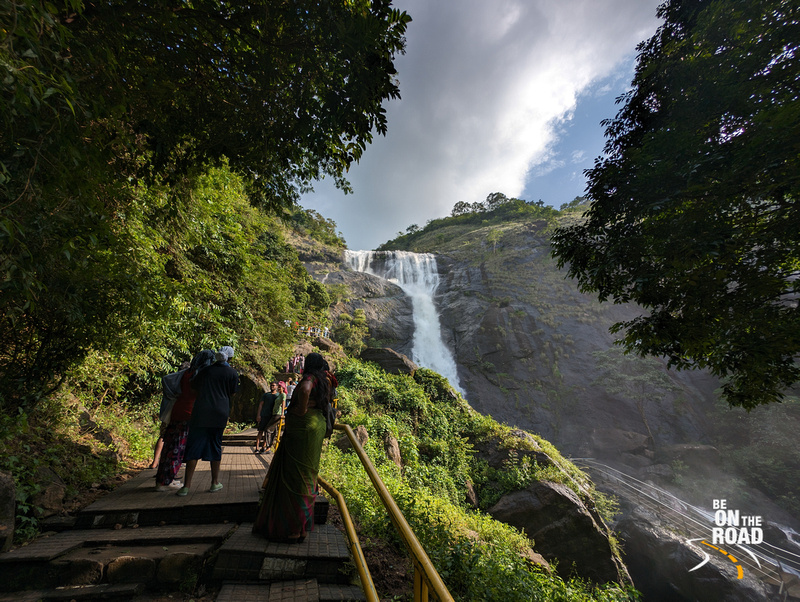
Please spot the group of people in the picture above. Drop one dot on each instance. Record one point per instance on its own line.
(317, 331)
(295, 364)
(194, 412)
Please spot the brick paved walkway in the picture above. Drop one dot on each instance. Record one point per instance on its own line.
(200, 527)
(137, 502)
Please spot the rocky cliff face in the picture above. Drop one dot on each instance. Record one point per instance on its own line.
(525, 341)
(526, 355)
(535, 352)
(386, 307)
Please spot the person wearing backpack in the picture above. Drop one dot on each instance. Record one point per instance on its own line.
(267, 417)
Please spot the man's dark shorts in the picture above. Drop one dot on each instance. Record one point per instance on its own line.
(204, 443)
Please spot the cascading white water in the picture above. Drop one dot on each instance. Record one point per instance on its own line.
(417, 275)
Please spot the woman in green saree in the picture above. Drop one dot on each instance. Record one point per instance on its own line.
(287, 509)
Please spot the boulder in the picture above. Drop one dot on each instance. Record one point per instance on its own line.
(362, 436)
(389, 360)
(328, 346)
(470, 495)
(50, 499)
(496, 454)
(563, 529)
(537, 559)
(659, 561)
(244, 402)
(80, 571)
(304, 348)
(393, 451)
(175, 568)
(8, 497)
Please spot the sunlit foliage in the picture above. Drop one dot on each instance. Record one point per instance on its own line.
(694, 207)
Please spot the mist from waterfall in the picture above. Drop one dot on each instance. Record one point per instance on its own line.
(417, 275)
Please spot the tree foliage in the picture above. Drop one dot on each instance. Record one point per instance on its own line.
(694, 211)
(115, 116)
(288, 91)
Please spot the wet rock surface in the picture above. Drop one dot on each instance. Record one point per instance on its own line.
(387, 308)
(563, 529)
(659, 562)
(390, 360)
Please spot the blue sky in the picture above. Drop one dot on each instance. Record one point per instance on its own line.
(579, 140)
(502, 96)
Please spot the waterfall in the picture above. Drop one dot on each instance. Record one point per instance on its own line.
(417, 275)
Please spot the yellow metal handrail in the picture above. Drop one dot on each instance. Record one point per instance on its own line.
(426, 577)
(355, 547)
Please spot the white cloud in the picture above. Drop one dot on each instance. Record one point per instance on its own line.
(485, 86)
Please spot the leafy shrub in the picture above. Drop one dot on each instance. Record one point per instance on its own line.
(478, 558)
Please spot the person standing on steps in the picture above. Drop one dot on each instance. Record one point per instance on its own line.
(279, 410)
(266, 418)
(286, 512)
(215, 386)
(176, 422)
(171, 386)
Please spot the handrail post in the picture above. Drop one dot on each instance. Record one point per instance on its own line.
(355, 547)
(429, 576)
(417, 584)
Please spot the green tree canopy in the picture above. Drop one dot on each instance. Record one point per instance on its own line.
(695, 212)
(287, 91)
(110, 115)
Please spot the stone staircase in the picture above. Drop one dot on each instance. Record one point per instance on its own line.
(312, 570)
(170, 552)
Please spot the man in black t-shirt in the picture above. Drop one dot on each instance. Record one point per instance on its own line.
(215, 385)
(267, 418)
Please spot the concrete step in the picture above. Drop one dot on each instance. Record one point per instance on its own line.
(114, 593)
(303, 590)
(248, 557)
(246, 437)
(332, 592)
(240, 439)
(284, 591)
(153, 555)
(137, 502)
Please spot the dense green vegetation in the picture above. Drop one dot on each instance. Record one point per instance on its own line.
(694, 207)
(478, 557)
(219, 271)
(119, 119)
